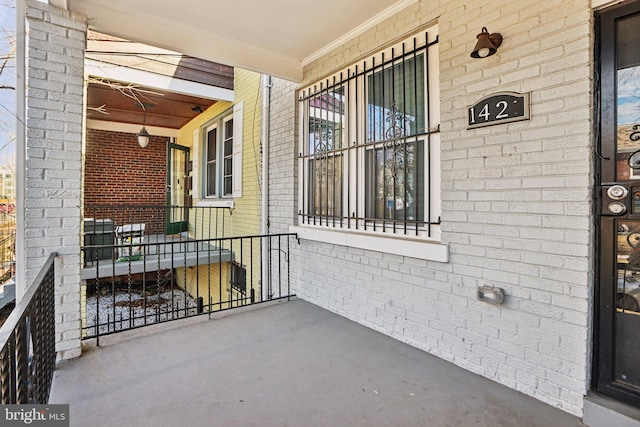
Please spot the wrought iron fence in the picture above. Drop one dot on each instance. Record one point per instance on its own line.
(206, 222)
(143, 283)
(28, 355)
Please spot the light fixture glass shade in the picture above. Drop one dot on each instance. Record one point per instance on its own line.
(143, 137)
(487, 44)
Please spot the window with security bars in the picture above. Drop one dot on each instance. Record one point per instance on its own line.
(370, 144)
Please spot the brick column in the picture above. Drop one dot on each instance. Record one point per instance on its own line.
(55, 84)
(282, 157)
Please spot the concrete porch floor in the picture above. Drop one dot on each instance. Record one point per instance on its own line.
(281, 364)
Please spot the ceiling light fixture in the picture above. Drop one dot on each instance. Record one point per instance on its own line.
(143, 135)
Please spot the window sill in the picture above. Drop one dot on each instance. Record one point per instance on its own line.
(216, 203)
(397, 245)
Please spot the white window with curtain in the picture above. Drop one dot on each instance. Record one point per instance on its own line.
(369, 156)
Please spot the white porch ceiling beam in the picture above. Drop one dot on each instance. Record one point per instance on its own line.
(130, 128)
(156, 81)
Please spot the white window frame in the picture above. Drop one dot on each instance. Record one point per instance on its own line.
(201, 136)
(225, 139)
(213, 127)
(360, 232)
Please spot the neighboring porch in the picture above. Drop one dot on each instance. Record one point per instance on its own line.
(161, 252)
(131, 279)
(288, 363)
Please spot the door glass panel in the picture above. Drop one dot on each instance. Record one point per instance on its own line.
(628, 98)
(627, 316)
(178, 172)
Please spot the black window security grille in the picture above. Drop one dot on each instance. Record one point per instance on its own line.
(367, 139)
(238, 278)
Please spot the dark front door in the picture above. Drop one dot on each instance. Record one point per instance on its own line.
(617, 371)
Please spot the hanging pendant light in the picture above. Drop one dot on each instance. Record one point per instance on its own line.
(143, 135)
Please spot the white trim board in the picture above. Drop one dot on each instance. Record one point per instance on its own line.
(413, 248)
(130, 128)
(387, 13)
(156, 81)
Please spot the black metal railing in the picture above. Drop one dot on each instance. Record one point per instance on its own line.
(205, 222)
(144, 283)
(28, 354)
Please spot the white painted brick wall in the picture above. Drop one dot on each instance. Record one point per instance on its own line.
(282, 155)
(515, 200)
(56, 42)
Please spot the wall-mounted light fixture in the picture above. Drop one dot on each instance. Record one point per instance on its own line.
(143, 135)
(487, 44)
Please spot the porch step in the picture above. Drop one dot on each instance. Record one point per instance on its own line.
(602, 411)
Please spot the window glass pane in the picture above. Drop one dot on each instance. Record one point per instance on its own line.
(212, 155)
(228, 185)
(326, 176)
(211, 179)
(228, 176)
(212, 138)
(325, 133)
(228, 129)
(326, 121)
(394, 167)
(395, 100)
(395, 182)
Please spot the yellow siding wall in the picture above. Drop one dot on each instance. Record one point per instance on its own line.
(206, 281)
(245, 217)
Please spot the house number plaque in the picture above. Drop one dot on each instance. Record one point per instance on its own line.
(502, 107)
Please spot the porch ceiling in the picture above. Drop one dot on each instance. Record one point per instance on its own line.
(275, 37)
(164, 109)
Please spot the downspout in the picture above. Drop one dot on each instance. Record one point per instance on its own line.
(21, 149)
(265, 84)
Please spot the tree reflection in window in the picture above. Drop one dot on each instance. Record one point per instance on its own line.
(325, 130)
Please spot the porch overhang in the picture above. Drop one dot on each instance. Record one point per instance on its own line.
(275, 37)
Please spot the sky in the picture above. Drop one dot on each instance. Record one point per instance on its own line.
(7, 78)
